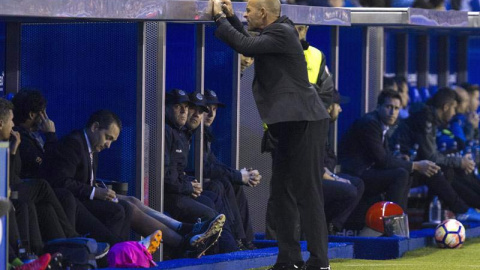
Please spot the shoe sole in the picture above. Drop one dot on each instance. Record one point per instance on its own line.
(214, 228)
(211, 244)
(155, 241)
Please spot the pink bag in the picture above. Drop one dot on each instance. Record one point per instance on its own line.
(130, 254)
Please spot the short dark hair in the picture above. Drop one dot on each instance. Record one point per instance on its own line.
(389, 82)
(388, 93)
(443, 96)
(26, 101)
(104, 118)
(5, 107)
(470, 87)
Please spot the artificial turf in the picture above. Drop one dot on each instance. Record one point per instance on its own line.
(429, 258)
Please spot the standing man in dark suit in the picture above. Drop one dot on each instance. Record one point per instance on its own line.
(364, 152)
(296, 117)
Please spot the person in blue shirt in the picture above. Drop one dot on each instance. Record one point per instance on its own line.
(455, 131)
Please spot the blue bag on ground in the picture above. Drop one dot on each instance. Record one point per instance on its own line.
(78, 253)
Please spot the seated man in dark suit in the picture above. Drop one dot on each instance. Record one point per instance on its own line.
(38, 136)
(73, 165)
(421, 128)
(36, 194)
(364, 152)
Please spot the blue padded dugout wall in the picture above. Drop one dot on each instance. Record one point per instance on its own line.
(350, 82)
(474, 59)
(81, 68)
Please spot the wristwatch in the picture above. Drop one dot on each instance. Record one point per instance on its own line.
(219, 15)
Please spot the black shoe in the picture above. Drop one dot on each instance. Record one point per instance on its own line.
(203, 230)
(199, 250)
(311, 267)
(287, 266)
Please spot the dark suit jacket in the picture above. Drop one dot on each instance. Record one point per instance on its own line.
(33, 152)
(68, 165)
(281, 88)
(362, 147)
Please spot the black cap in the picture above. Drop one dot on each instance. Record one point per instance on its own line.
(177, 96)
(337, 98)
(212, 98)
(199, 100)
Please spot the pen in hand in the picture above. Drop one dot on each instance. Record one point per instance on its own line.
(105, 186)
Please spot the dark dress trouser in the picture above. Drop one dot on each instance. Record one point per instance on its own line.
(115, 216)
(341, 199)
(296, 190)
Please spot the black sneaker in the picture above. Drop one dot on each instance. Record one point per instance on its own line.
(204, 230)
(199, 250)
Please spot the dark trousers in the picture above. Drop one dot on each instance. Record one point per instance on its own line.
(468, 188)
(40, 197)
(207, 206)
(440, 186)
(395, 183)
(85, 222)
(115, 216)
(242, 203)
(27, 224)
(187, 209)
(341, 199)
(296, 190)
(224, 189)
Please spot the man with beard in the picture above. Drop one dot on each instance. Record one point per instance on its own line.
(421, 129)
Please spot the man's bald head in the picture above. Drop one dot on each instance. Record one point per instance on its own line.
(272, 6)
(261, 13)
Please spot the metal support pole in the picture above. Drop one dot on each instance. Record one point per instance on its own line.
(200, 78)
(423, 52)
(140, 129)
(236, 111)
(402, 55)
(443, 60)
(462, 59)
(373, 66)
(335, 52)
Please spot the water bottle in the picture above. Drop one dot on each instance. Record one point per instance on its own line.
(435, 211)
